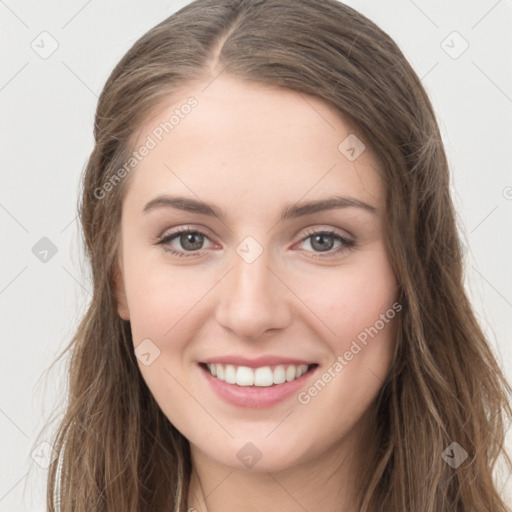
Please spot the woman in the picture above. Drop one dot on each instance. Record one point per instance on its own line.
(279, 320)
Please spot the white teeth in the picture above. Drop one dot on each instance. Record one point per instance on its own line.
(263, 377)
(244, 376)
(260, 377)
(291, 372)
(230, 375)
(279, 374)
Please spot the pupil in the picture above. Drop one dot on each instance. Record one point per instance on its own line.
(321, 239)
(192, 241)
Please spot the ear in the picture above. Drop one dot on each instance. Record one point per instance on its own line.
(122, 303)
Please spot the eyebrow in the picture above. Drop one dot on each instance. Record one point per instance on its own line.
(290, 212)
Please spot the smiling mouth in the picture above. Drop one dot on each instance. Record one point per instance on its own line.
(265, 376)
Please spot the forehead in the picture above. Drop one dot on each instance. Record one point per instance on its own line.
(250, 142)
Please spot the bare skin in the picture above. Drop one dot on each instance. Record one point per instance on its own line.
(253, 151)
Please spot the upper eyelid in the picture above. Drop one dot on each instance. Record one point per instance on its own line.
(180, 229)
(331, 230)
(309, 231)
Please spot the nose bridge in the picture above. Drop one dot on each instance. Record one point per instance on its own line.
(251, 279)
(252, 299)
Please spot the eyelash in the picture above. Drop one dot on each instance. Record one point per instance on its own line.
(346, 243)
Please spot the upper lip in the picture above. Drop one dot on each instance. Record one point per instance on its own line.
(257, 362)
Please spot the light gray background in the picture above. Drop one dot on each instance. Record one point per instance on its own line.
(46, 135)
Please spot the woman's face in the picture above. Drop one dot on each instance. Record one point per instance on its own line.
(284, 269)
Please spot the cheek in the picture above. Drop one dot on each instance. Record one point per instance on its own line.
(353, 299)
(348, 384)
(161, 296)
(164, 303)
(361, 312)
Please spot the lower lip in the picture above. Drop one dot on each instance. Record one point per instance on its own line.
(256, 397)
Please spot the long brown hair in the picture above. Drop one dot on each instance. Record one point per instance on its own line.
(117, 450)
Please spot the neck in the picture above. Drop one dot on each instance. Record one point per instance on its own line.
(329, 482)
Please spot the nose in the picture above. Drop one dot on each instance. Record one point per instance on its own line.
(253, 299)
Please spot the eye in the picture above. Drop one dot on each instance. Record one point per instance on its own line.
(324, 240)
(190, 240)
